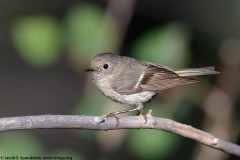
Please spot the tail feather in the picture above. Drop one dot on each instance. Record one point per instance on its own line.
(196, 71)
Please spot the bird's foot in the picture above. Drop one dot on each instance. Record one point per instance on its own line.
(110, 115)
(140, 113)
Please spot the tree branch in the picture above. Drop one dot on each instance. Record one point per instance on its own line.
(129, 122)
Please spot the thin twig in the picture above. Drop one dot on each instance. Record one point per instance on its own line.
(129, 122)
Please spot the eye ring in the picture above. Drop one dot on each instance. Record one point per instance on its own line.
(105, 66)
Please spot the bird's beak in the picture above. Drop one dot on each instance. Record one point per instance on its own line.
(89, 70)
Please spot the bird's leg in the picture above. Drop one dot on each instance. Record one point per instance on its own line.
(139, 108)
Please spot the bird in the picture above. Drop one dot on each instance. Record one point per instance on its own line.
(135, 82)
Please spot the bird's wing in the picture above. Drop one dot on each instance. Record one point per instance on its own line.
(157, 78)
(127, 82)
(154, 78)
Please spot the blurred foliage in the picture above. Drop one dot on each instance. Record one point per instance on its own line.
(25, 144)
(95, 100)
(20, 143)
(38, 40)
(185, 108)
(152, 144)
(167, 44)
(90, 31)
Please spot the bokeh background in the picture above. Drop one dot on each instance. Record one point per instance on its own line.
(46, 45)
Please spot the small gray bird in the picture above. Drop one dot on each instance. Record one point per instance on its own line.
(130, 81)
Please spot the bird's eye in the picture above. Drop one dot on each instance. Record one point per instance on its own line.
(105, 66)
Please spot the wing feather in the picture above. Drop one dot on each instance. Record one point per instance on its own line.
(159, 78)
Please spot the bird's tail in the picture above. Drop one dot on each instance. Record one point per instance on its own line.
(196, 71)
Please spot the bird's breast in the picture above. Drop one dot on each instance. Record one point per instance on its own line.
(135, 98)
